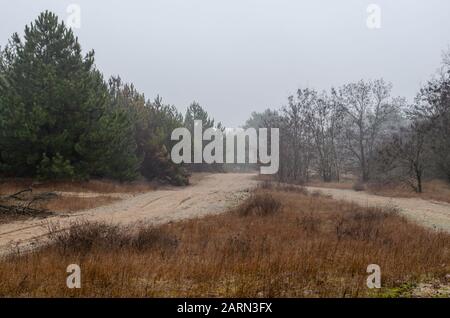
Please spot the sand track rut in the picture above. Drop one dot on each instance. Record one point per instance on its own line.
(214, 193)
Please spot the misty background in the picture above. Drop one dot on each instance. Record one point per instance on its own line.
(239, 56)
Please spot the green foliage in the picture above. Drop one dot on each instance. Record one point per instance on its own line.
(403, 291)
(163, 119)
(54, 116)
(111, 149)
(196, 112)
(153, 123)
(60, 120)
(55, 168)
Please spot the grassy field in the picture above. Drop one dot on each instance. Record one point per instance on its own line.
(436, 190)
(280, 242)
(10, 186)
(48, 198)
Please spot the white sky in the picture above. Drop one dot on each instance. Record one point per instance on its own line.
(236, 56)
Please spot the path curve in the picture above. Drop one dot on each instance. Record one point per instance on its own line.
(432, 214)
(213, 193)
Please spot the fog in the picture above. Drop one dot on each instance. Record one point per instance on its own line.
(237, 56)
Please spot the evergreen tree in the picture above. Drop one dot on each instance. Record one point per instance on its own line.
(153, 123)
(54, 116)
(196, 112)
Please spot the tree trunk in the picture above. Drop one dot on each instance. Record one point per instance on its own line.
(419, 180)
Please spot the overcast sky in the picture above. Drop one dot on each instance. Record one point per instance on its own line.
(237, 56)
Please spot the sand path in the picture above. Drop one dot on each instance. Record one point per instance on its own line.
(213, 193)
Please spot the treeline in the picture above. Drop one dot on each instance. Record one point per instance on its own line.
(59, 118)
(360, 128)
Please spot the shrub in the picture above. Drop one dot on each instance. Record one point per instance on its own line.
(55, 168)
(82, 237)
(277, 186)
(260, 204)
(359, 186)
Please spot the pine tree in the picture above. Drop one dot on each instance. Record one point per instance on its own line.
(153, 123)
(193, 113)
(196, 112)
(54, 109)
(111, 149)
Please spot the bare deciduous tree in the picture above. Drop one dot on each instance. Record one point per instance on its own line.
(323, 120)
(406, 156)
(367, 109)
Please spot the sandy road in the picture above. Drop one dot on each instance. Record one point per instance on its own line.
(431, 214)
(213, 193)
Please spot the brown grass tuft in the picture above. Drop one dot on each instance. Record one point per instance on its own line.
(72, 203)
(283, 187)
(85, 237)
(10, 186)
(259, 204)
(62, 196)
(437, 190)
(359, 186)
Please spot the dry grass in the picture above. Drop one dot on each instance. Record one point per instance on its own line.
(85, 237)
(308, 246)
(63, 196)
(282, 187)
(44, 204)
(18, 215)
(72, 204)
(359, 186)
(436, 190)
(10, 186)
(54, 204)
(345, 185)
(259, 204)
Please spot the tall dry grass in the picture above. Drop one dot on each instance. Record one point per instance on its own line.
(62, 196)
(284, 244)
(437, 190)
(29, 205)
(67, 204)
(10, 186)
